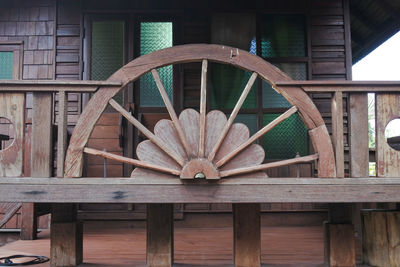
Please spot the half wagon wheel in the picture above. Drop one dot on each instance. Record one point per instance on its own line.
(196, 144)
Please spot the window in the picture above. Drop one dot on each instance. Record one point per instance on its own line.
(155, 36)
(281, 40)
(107, 48)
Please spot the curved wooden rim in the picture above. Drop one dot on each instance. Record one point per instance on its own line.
(196, 53)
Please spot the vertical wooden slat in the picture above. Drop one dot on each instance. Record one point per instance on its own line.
(358, 122)
(247, 235)
(41, 159)
(340, 238)
(337, 132)
(160, 235)
(62, 132)
(203, 107)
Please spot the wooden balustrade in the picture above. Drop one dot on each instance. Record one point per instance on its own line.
(40, 188)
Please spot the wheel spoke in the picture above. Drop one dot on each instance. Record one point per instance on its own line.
(203, 108)
(266, 166)
(257, 135)
(135, 162)
(232, 116)
(171, 112)
(153, 138)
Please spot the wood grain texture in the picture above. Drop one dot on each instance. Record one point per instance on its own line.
(178, 158)
(238, 134)
(8, 209)
(134, 162)
(215, 122)
(146, 151)
(190, 119)
(381, 238)
(160, 235)
(265, 166)
(152, 189)
(66, 244)
(12, 107)
(358, 137)
(387, 158)
(326, 161)
(182, 54)
(199, 166)
(337, 132)
(341, 245)
(41, 152)
(171, 111)
(246, 235)
(29, 222)
(203, 108)
(62, 132)
(53, 85)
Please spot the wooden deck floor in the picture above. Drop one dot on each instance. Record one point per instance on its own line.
(281, 246)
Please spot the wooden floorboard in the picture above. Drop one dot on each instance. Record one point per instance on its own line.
(194, 247)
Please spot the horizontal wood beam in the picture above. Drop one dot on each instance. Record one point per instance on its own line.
(343, 86)
(236, 190)
(53, 85)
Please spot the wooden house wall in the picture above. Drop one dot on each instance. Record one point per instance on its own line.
(30, 24)
(52, 31)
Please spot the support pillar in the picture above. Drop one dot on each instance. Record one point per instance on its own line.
(247, 235)
(160, 235)
(66, 236)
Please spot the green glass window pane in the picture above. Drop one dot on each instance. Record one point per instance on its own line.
(155, 36)
(227, 84)
(283, 36)
(6, 65)
(271, 99)
(107, 48)
(250, 120)
(286, 139)
(107, 54)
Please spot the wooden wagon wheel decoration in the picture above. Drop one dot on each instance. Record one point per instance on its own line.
(196, 144)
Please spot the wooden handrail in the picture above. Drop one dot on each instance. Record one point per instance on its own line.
(343, 86)
(54, 86)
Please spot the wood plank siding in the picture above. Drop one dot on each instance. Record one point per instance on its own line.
(53, 35)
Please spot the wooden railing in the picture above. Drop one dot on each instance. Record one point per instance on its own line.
(359, 151)
(244, 193)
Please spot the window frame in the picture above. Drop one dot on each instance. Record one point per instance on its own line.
(17, 48)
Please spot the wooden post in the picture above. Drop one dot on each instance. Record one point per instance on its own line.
(247, 235)
(62, 131)
(65, 236)
(381, 242)
(160, 235)
(41, 156)
(337, 132)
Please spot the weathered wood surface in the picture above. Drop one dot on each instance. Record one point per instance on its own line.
(160, 235)
(246, 235)
(171, 111)
(12, 107)
(381, 238)
(340, 245)
(8, 209)
(387, 158)
(326, 161)
(29, 221)
(337, 132)
(203, 108)
(62, 132)
(150, 189)
(53, 85)
(41, 152)
(181, 54)
(358, 137)
(343, 86)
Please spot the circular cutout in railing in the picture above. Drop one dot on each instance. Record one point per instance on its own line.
(7, 134)
(392, 134)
